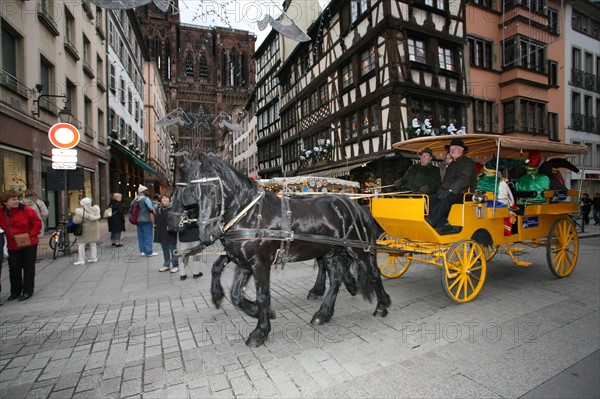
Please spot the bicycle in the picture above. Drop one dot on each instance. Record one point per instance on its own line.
(59, 240)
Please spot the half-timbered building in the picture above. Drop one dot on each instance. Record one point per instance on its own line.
(371, 68)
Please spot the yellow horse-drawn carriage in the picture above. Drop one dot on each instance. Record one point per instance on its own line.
(463, 256)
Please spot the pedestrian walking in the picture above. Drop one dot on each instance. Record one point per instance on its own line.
(596, 209)
(88, 216)
(166, 239)
(32, 200)
(116, 222)
(21, 226)
(144, 221)
(586, 207)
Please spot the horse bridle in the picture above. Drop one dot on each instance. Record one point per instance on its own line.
(186, 220)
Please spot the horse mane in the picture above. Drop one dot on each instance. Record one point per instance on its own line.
(236, 181)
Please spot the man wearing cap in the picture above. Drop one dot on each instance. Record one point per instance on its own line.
(461, 175)
(421, 177)
(144, 222)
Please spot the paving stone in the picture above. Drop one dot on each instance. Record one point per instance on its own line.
(88, 383)
(65, 393)
(132, 387)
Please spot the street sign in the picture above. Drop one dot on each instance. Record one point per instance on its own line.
(64, 165)
(64, 159)
(64, 135)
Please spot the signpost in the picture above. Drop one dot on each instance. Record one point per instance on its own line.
(64, 136)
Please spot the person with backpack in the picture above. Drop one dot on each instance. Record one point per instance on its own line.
(141, 214)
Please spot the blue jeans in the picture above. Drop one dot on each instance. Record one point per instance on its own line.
(168, 250)
(144, 230)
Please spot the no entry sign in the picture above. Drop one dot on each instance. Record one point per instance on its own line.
(64, 135)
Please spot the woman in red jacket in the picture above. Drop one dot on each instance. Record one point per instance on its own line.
(16, 218)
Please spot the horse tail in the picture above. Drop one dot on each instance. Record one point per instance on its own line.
(363, 278)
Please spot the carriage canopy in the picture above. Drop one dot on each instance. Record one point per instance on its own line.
(482, 147)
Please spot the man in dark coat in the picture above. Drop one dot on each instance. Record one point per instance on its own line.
(461, 175)
(166, 239)
(422, 177)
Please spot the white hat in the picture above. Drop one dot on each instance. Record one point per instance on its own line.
(86, 202)
(142, 188)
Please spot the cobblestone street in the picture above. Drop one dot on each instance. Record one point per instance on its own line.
(119, 328)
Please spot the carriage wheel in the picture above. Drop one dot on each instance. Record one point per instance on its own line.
(490, 251)
(391, 264)
(464, 271)
(562, 248)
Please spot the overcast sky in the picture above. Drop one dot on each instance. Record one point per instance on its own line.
(239, 14)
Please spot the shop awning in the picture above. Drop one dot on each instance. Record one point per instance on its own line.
(135, 158)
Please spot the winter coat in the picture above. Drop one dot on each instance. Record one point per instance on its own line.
(145, 209)
(116, 223)
(161, 234)
(91, 232)
(420, 178)
(40, 208)
(461, 175)
(18, 220)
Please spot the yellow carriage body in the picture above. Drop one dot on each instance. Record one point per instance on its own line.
(463, 255)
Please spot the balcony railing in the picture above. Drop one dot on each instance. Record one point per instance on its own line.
(577, 77)
(49, 106)
(589, 123)
(577, 121)
(45, 17)
(589, 81)
(9, 81)
(71, 49)
(585, 80)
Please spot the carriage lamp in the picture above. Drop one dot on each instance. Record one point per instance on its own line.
(479, 198)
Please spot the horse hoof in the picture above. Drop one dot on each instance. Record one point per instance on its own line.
(254, 341)
(317, 321)
(380, 312)
(272, 314)
(217, 301)
(313, 296)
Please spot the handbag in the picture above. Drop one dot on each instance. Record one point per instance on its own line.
(22, 240)
(107, 213)
(78, 228)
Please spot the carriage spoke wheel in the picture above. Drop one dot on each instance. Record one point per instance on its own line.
(562, 248)
(391, 264)
(464, 271)
(490, 251)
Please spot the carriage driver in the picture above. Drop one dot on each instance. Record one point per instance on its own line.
(421, 177)
(461, 175)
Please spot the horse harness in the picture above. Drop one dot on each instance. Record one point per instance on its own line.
(286, 235)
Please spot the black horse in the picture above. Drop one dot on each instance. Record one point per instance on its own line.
(317, 291)
(259, 230)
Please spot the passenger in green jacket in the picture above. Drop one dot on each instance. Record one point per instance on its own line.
(421, 177)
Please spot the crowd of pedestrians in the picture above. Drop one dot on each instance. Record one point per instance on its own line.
(22, 217)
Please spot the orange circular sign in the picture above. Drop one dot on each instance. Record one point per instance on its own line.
(64, 135)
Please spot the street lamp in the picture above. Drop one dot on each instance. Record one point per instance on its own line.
(64, 114)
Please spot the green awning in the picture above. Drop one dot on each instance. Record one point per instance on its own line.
(133, 156)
